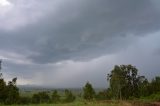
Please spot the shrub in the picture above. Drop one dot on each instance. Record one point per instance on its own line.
(69, 97)
(24, 100)
(41, 97)
(55, 97)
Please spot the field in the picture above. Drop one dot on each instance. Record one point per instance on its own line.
(102, 103)
(77, 104)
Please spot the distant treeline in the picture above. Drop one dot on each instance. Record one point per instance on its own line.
(9, 94)
(125, 84)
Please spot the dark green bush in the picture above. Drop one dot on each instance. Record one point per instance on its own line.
(55, 97)
(69, 97)
(41, 97)
(24, 100)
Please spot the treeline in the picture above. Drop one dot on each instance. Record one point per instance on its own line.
(125, 84)
(9, 94)
(45, 97)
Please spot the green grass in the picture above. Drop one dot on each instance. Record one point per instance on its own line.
(73, 104)
(151, 98)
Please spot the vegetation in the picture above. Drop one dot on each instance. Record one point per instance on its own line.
(89, 92)
(9, 94)
(104, 95)
(69, 97)
(55, 97)
(41, 97)
(125, 84)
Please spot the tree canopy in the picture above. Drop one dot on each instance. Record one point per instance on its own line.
(125, 81)
(89, 92)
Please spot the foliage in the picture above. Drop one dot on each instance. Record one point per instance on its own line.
(55, 97)
(154, 86)
(3, 91)
(89, 92)
(125, 81)
(152, 97)
(104, 95)
(69, 97)
(9, 94)
(41, 97)
(24, 100)
(12, 92)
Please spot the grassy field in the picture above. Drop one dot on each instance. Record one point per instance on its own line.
(74, 104)
(97, 103)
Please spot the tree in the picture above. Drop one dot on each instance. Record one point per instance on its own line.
(55, 97)
(3, 92)
(12, 92)
(125, 81)
(69, 97)
(154, 85)
(89, 92)
(116, 79)
(41, 97)
(144, 88)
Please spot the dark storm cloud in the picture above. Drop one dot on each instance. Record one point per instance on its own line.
(97, 28)
(55, 36)
(157, 52)
(81, 30)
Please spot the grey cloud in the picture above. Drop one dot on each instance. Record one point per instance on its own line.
(55, 31)
(157, 52)
(82, 30)
(98, 28)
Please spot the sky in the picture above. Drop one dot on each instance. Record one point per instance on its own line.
(65, 43)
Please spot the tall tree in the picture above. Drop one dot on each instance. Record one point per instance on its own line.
(12, 92)
(3, 95)
(117, 82)
(125, 81)
(89, 92)
(9, 93)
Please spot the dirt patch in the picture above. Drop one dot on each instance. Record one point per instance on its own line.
(146, 104)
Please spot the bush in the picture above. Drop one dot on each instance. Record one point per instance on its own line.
(104, 95)
(55, 97)
(36, 99)
(41, 97)
(156, 97)
(69, 97)
(153, 97)
(24, 100)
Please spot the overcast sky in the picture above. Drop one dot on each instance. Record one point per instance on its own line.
(64, 43)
